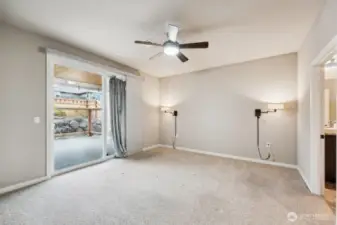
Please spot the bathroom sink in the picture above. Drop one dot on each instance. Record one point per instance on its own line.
(330, 130)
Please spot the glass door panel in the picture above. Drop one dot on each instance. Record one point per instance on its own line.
(78, 117)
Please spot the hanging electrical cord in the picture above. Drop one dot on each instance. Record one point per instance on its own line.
(272, 157)
(175, 132)
(258, 140)
(174, 113)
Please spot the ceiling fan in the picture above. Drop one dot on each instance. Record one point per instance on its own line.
(172, 47)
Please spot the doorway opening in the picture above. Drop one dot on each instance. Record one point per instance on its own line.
(322, 125)
(330, 130)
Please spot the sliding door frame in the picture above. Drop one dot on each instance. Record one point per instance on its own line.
(55, 57)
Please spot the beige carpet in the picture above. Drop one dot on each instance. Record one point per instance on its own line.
(167, 187)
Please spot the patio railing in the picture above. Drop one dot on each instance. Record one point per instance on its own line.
(76, 117)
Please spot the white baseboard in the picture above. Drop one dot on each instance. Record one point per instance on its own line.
(22, 185)
(39, 180)
(246, 159)
(304, 179)
(233, 157)
(151, 147)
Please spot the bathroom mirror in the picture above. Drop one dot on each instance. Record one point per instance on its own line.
(330, 92)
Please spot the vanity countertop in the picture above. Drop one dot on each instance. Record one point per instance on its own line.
(330, 130)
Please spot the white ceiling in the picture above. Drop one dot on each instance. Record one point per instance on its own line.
(238, 30)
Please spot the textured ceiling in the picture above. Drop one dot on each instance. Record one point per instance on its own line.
(238, 30)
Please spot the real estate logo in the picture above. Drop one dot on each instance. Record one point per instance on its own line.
(292, 216)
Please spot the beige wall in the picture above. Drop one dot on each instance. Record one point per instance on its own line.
(151, 110)
(322, 32)
(23, 84)
(216, 108)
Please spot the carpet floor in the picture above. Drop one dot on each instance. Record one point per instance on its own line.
(167, 187)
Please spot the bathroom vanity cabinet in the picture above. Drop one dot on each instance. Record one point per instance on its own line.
(330, 158)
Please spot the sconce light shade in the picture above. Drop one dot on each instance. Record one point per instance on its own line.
(275, 106)
(166, 109)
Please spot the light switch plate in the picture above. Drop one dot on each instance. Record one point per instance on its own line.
(37, 120)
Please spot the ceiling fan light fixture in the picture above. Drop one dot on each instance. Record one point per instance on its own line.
(171, 48)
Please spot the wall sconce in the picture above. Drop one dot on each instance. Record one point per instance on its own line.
(174, 113)
(165, 109)
(272, 107)
(275, 106)
(169, 110)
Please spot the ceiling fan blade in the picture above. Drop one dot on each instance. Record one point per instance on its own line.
(172, 32)
(182, 57)
(194, 45)
(156, 55)
(147, 43)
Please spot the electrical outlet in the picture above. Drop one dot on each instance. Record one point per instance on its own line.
(268, 144)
